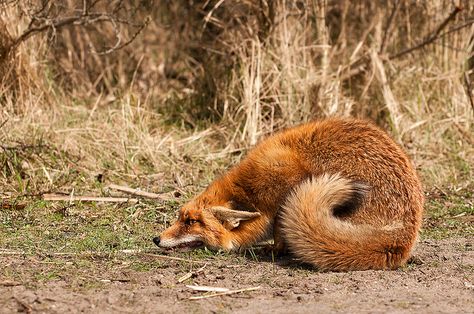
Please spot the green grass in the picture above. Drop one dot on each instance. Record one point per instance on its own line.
(449, 216)
(44, 227)
(104, 228)
(82, 227)
(450, 206)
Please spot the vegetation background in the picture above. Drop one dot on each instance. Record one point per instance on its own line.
(203, 81)
(165, 95)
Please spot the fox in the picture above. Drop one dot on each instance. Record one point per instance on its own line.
(338, 194)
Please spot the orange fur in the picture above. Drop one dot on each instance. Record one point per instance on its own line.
(339, 193)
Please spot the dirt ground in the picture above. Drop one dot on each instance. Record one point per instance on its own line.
(440, 279)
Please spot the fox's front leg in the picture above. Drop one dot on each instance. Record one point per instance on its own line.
(279, 244)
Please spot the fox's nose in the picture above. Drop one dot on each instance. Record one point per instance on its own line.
(156, 240)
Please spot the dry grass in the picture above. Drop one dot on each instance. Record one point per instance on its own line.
(188, 96)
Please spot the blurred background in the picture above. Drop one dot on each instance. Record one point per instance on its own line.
(166, 95)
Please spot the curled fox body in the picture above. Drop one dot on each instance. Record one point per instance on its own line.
(339, 194)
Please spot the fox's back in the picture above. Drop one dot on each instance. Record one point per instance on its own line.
(358, 151)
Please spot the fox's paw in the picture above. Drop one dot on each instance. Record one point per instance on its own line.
(277, 249)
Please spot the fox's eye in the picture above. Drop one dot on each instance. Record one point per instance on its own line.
(191, 221)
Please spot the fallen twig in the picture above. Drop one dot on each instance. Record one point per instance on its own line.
(224, 293)
(116, 280)
(459, 215)
(10, 252)
(191, 274)
(137, 192)
(82, 198)
(207, 288)
(9, 283)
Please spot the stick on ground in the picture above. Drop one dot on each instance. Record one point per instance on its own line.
(223, 293)
(207, 288)
(191, 273)
(138, 192)
(66, 198)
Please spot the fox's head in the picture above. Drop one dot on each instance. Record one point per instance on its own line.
(199, 226)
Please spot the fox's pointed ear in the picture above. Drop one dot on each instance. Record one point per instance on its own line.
(231, 218)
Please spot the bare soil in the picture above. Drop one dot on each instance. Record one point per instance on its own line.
(439, 279)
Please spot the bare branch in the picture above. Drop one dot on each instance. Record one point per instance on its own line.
(389, 23)
(431, 38)
(361, 65)
(456, 28)
(119, 46)
(42, 21)
(118, 39)
(58, 24)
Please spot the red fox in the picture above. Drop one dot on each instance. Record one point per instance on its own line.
(339, 194)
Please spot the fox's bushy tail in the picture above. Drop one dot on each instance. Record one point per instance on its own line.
(316, 236)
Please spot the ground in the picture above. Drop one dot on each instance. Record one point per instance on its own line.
(47, 269)
(440, 280)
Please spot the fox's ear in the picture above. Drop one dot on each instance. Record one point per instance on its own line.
(231, 218)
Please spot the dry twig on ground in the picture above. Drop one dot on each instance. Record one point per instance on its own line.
(223, 293)
(138, 192)
(73, 198)
(191, 274)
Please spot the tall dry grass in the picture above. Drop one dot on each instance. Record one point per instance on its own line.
(206, 80)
